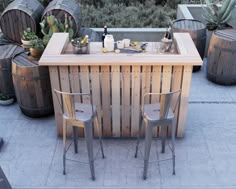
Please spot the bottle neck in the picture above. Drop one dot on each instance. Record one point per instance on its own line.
(105, 30)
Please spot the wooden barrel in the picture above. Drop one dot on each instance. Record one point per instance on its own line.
(32, 86)
(197, 31)
(6, 54)
(19, 15)
(221, 61)
(71, 7)
(6, 3)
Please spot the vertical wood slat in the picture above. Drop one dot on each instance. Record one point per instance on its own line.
(115, 83)
(55, 84)
(65, 87)
(105, 81)
(96, 94)
(166, 86)
(85, 84)
(125, 101)
(156, 86)
(146, 79)
(176, 85)
(135, 107)
(75, 88)
(187, 76)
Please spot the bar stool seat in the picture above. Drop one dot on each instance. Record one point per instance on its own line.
(152, 112)
(83, 112)
(79, 115)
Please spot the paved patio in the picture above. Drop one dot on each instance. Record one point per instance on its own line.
(206, 157)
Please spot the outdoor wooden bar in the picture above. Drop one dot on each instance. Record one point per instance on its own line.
(117, 82)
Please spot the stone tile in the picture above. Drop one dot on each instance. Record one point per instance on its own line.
(11, 112)
(26, 173)
(7, 127)
(203, 90)
(78, 174)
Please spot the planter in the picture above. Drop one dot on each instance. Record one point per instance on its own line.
(26, 44)
(197, 31)
(221, 67)
(32, 85)
(36, 53)
(6, 102)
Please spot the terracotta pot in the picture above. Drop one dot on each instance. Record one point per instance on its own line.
(36, 53)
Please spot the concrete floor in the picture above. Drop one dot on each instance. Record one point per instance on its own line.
(205, 158)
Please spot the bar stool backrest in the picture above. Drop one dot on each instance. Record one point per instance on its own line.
(166, 102)
(68, 102)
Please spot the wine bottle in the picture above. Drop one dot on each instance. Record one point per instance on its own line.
(104, 35)
(84, 41)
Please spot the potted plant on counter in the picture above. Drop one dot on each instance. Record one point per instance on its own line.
(5, 99)
(36, 48)
(27, 37)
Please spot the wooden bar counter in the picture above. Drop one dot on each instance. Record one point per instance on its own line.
(118, 81)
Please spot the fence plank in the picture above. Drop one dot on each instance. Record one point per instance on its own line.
(126, 79)
(135, 100)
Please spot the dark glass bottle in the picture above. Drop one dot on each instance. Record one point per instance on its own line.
(104, 35)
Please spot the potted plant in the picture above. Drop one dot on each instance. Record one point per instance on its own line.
(216, 16)
(36, 48)
(27, 37)
(5, 99)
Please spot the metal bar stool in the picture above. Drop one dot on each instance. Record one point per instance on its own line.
(158, 114)
(79, 115)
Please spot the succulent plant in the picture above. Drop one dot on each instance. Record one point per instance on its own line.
(28, 35)
(218, 16)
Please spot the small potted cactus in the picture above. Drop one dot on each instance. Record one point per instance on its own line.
(5, 99)
(27, 37)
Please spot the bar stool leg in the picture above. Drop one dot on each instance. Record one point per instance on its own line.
(64, 144)
(148, 141)
(88, 130)
(100, 135)
(75, 137)
(163, 136)
(173, 143)
(138, 138)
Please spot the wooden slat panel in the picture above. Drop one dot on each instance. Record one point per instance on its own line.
(187, 76)
(96, 94)
(126, 101)
(156, 88)
(166, 85)
(65, 87)
(55, 84)
(176, 85)
(135, 108)
(75, 88)
(146, 79)
(105, 81)
(115, 83)
(85, 85)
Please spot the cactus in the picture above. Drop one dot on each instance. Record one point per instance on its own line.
(218, 16)
(50, 24)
